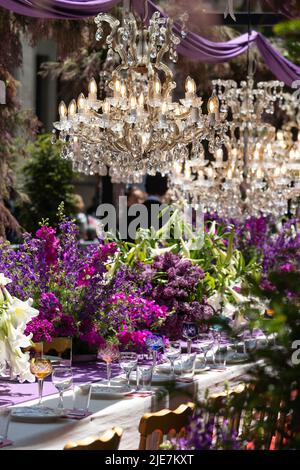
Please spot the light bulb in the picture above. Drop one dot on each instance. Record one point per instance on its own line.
(187, 172)
(123, 90)
(117, 86)
(279, 135)
(229, 173)
(164, 108)
(141, 100)
(72, 108)
(106, 107)
(190, 86)
(219, 154)
(157, 86)
(283, 169)
(210, 171)
(144, 139)
(133, 102)
(292, 154)
(80, 102)
(93, 88)
(62, 109)
(259, 173)
(276, 172)
(213, 104)
(234, 152)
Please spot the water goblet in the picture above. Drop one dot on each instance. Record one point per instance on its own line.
(154, 343)
(172, 352)
(109, 353)
(189, 332)
(41, 368)
(62, 379)
(128, 361)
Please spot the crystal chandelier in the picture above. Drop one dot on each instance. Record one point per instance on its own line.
(138, 128)
(257, 169)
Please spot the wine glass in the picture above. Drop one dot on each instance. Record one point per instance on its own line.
(108, 354)
(128, 361)
(62, 379)
(41, 368)
(154, 343)
(172, 352)
(189, 332)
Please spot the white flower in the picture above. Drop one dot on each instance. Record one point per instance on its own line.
(215, 301)
(4, 280)
(21, 313)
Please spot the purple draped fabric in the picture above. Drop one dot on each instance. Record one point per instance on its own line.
(198, 48)
(59, 9)
(193, 46)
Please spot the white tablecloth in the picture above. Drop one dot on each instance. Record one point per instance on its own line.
(125, 413)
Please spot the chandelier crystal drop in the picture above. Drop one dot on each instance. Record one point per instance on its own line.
(257, 169)
(138, 127)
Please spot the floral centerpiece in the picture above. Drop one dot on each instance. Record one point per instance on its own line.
(14, 316)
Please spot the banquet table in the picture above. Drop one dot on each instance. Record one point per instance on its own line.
(106, 413)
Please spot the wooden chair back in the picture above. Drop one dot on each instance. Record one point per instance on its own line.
(164, 423)
(110, 440)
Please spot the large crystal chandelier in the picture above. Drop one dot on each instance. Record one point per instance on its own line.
(257, 169)
(138, 127)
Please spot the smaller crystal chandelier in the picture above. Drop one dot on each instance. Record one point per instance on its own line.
(138, 128)
(257, 169)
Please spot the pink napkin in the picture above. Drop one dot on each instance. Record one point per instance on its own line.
(186, 380)
(75, 414)
(6, 442)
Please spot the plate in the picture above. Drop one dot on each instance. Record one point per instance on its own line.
(157, 378)
(114, 391)
(35, 414)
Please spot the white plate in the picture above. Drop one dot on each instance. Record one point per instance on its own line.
(35, 414)
(114, 391)
(157, 378)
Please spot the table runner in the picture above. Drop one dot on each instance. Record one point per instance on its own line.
(13, 393)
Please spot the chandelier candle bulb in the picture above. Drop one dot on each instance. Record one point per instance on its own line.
(92, 90)
(72, 108)
(190, 88)
(81, 103)
(62, 110)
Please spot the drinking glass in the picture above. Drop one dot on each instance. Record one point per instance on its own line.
(81, 397)
(128, 361)
(41, 368)
(108, 353)
(188, 362)
(154, 343)
(4, 423)
(189, 332)
(62, 379)
(172, 352)
(144, 376)
(220, 357)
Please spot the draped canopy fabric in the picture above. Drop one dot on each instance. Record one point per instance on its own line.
(59, 9)
(193, 46)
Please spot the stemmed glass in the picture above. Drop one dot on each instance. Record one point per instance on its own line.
(62, 379)
(128, 361)
(189, 332)
(154, 343)
(41, 368)
(172, 352)
(109, 353)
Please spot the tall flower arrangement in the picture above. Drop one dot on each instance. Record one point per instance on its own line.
(14, 316)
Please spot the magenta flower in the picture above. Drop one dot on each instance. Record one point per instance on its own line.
(85, 276)
(51, 243)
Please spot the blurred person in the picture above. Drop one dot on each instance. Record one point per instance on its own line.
(156, 187)
(135, 195)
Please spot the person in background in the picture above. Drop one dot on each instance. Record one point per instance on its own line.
(134, 195)
(156, 187)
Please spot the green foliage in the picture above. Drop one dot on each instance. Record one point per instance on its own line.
(290, 31)
(48, 182)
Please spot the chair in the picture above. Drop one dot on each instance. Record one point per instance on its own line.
(164, 422)
(110, 440)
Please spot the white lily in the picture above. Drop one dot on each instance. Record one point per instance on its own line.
(14, 316)
(4, 280)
